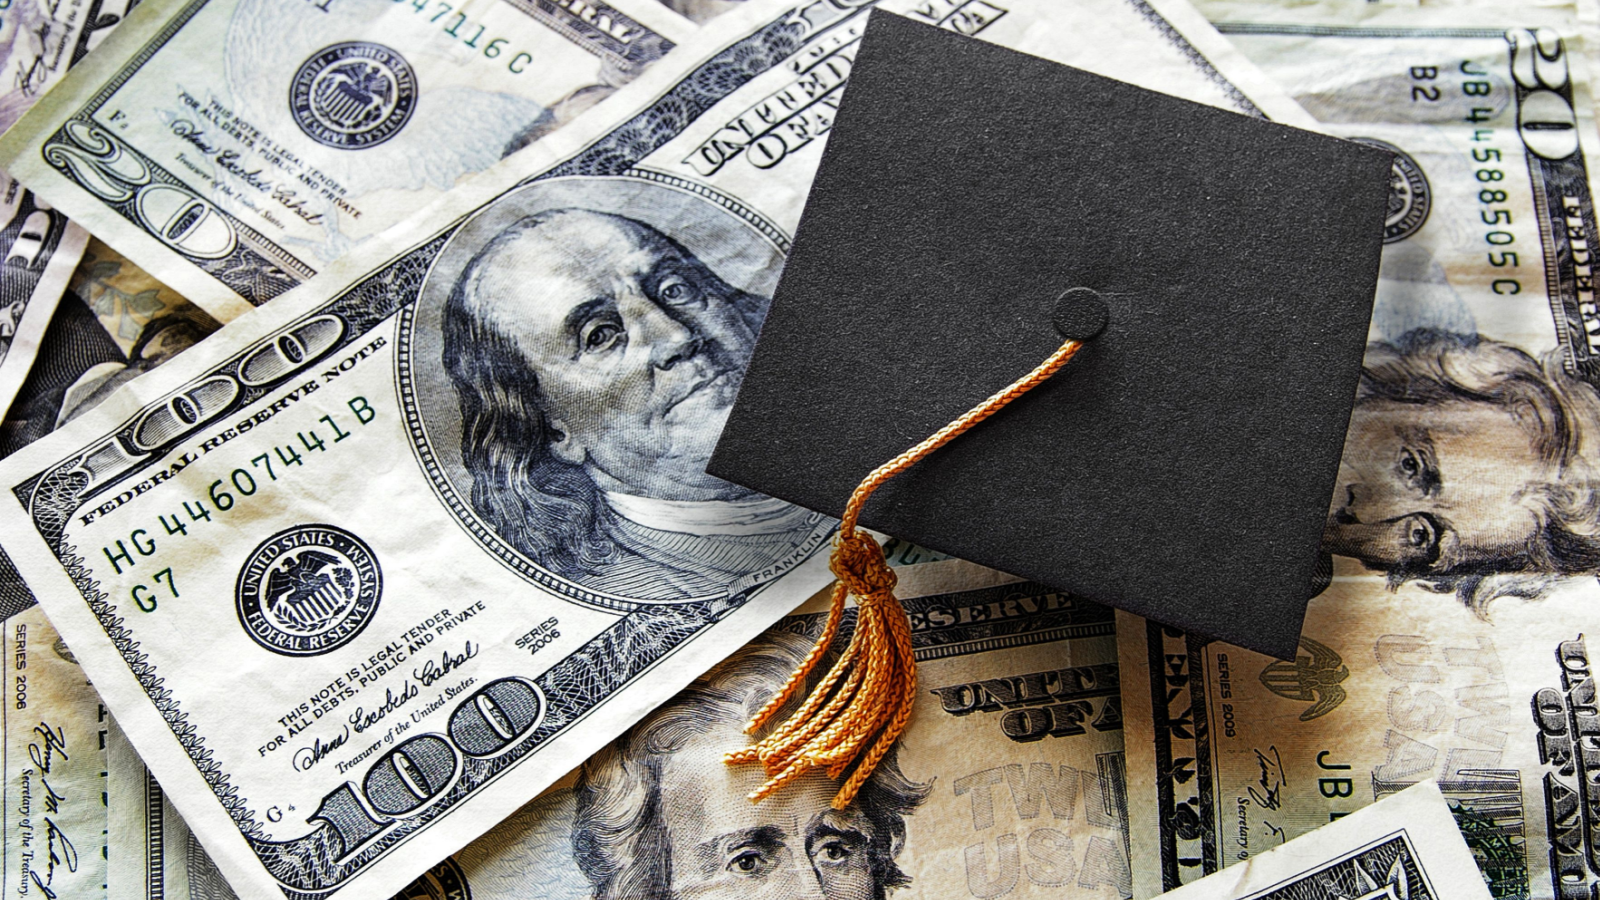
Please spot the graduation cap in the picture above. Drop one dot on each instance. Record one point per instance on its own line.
(976, 206)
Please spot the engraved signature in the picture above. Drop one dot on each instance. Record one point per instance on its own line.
(30, 77)
(361, 720)
(226, 160)
(46, 752)
(59, 850)
(306, 757)
(230, 161)
(1271, 781)
(31, 74)
(290, 201)
(448, 662)
(194, 135)
(53, 741)
(52, 797)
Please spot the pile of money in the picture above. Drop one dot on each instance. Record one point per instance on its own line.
(357, 540)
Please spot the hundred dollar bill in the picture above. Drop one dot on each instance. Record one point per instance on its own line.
(1404, 846)
(1008, 782)
(1230, 752)
(53, 819)
(455, 486)
(39, 41)
(234, 147)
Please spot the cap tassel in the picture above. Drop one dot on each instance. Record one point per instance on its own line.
(864, 702)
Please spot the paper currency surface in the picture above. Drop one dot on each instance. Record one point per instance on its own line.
(1461, 533)
(1404, 846)
(41, 249)
(53, 820)
(480, 526)
(1008, 782)
(113, 323)
(39, 41)
(1231, 752)
(43, 40)
(150, 852)
(233, 148)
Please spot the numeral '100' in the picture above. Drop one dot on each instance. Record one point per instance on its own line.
(421, 769)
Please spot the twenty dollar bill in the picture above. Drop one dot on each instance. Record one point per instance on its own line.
(233, 148)
(1231, 753)
(1405, 846)
(1452, 642)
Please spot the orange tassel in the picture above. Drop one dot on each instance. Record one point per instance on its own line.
(859, 709)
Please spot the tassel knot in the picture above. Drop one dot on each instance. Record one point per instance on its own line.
(859, 565)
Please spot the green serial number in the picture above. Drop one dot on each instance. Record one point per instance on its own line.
(517, 64)
(225, 494)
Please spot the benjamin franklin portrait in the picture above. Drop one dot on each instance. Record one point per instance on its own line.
(593, 335)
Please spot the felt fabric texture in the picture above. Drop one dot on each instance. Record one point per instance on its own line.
(1181, 466)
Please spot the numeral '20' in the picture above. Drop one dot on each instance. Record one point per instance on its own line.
(1545, 120)
(104, 166)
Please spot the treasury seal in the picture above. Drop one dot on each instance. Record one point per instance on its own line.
(353, 95)
(308, 590)
(1410, 197)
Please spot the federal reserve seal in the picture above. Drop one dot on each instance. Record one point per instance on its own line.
(1410, 197)
(308, 590)
(353, 95)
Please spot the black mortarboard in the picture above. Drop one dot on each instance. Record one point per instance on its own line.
(974, 201)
